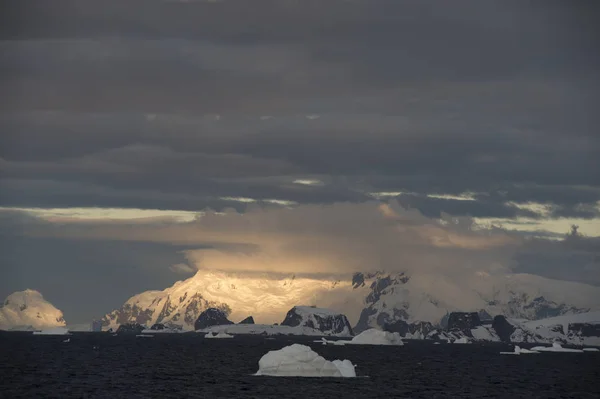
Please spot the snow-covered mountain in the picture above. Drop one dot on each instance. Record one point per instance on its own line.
(28, 310)
(324, 320)
(265, 297)
(368, 300)
(429, 298)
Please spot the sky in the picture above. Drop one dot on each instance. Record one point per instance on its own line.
(143, 140)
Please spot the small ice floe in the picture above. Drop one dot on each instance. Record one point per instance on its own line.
(463, 340)
(556, 347)
(591, 350)
(301, 361)
(144, 336)
(436, 343)
(53, 331)
(371, 336)
(219, 335)
(518, 350)
(67, 340)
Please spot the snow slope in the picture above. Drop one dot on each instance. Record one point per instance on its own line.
(430, 297)
(29, 308)
(266, 297)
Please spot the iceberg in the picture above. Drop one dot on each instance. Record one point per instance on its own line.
(219, 335)
(518, 351)
(556, 347)
(591, 350)
(463, 340)
(301, 361)
(371, 336)
(53, 331)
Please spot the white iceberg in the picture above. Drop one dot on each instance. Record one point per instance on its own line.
(463, 340)
(53, 331)
(301, 361)
(591, 350)
(518, 350)
(371, 336)
(556, 347)
(219, 335)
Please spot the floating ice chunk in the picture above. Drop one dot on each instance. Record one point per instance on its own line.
(556, 347)
(370, 337)
(144, 336)
(67, 340)
(219, 335)
(375, 337)
(436, 343)
(463, 340)
(591, 350)
(53, 331)
(518, 351)
(301, 361)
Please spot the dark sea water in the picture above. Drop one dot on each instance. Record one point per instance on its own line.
(188, 366)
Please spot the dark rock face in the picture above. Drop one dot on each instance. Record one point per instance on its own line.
(584, 329)
(211, 317)
(158, 326)
(403, 328)
(247, 320)
(503, 328)
(485, 317)
(334, 324)
(130, 328)
(463, 322)
(358, 280)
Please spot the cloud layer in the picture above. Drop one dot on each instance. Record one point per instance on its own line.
(461, 113)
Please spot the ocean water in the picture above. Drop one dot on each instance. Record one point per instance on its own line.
(188, 366)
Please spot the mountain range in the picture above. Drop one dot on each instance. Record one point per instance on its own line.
(368, 300)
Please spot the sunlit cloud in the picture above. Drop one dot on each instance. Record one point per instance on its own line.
(462, 197)
(280, 202)
(239, 199)
(99, 214)
(308, 182)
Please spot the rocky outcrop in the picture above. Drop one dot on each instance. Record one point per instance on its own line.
(418, 330)
(211, 317)
(130, 328)
(247, 320)
(503, 328)
(463, 322)
(584, 329)
(325, 320)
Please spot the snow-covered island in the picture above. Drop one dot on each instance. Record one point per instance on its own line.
(29, 311)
